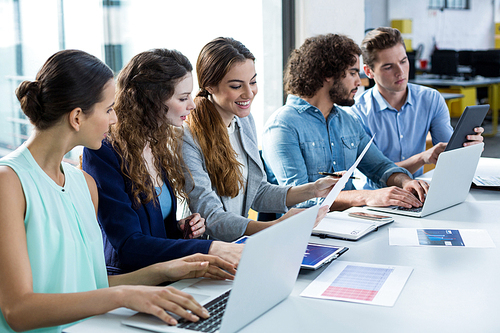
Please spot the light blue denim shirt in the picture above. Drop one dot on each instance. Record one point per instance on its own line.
(299, 143)
(402, 134)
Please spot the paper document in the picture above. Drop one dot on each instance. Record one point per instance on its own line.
(440, 237)
(486, 181)
(330, 198)
(360, 283)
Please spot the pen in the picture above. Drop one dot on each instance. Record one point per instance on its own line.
(335, 175)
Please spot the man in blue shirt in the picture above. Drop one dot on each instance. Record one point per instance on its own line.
(309, 134)
(399, 112)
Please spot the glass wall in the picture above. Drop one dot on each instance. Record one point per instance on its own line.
(114, 31)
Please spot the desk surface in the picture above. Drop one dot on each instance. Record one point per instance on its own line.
(450, 289)
(448, 96)
(428, 80)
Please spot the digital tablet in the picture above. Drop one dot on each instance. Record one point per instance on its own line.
(316, 255)
(471, 118)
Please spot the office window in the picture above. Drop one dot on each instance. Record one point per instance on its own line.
(448, 4)
(116, 30)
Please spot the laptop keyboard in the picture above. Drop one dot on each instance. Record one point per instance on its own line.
(216, 309)
(412, 209)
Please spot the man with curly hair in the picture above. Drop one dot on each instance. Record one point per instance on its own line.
(393, 107)
(310, 134)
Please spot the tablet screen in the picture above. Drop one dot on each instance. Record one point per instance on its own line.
(316, 254)
(241, 240)
(471, 118)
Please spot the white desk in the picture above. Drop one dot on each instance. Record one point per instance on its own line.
(448, 96)
(450, 289)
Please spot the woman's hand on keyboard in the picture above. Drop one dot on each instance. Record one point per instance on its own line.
(227, 251)
(158, 300)
(197, 265)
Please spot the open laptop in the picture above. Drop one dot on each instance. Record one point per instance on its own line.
(266, 274)
(450, 182)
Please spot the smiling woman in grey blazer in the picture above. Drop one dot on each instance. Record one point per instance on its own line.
(225, 176)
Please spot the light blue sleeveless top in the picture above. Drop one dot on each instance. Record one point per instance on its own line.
(64, 240)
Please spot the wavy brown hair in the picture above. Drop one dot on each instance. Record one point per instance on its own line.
(214, 62)
(320, 57)
(143, 87)
(377, 40)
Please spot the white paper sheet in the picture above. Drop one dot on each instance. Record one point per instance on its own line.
(359, 283)
(330, 198)
(486, 181)
(440, 237)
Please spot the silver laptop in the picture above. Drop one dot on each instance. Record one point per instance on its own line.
(266, 274)
(450, 182)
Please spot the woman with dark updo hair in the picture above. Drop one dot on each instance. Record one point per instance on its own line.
(52, 268)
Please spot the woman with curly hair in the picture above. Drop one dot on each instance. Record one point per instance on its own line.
(52, 268)
(138, 169)
(220, 148)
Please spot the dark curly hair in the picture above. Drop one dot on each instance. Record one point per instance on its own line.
(320, 57)
(379, 39)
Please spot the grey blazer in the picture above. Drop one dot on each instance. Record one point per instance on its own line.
(223, 219)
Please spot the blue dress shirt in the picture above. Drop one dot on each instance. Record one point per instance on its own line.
(299, 143)
(402, 134)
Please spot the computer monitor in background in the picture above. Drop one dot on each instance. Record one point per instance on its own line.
(444, 62)
(487, 63)
(466, 57)
(411, 60)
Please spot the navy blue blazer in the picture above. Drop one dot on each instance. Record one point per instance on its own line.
(134, 237)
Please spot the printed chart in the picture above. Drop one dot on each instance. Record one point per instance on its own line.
(486, 181)
(443, 237)
(360, 283)
(438, 237)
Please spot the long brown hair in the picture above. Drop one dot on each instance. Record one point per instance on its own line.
(214, 62)
(143, 87)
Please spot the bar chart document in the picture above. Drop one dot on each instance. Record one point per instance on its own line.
(486, 181)
(360, 283)
(440, 237)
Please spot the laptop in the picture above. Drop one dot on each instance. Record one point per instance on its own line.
(450, 182)
(316, 256)
(266, 275)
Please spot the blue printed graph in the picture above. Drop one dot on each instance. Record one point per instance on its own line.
(443, 237)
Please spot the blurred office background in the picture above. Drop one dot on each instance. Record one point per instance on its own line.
(116, 30)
